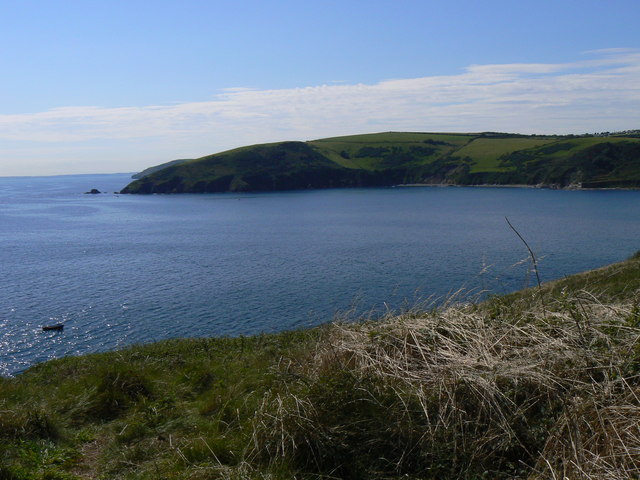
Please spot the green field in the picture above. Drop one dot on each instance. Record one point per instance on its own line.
(486, 151)
(345, 150)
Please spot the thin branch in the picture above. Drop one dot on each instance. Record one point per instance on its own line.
(534, 261)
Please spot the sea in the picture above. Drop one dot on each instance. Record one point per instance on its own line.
(120, 269)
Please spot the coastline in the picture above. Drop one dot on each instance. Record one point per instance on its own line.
(485, 185)
(572, 187)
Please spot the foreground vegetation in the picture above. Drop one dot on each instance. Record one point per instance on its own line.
(539, 384)
(384, 159)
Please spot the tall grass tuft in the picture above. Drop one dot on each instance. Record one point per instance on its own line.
(31, 424)
(462, 392)
(596, 437)
(118, 388)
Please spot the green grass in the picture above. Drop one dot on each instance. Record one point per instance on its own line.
(532, 385)
(486, 151)
(619, 282)
(566, 147)
(593, 162)
(584, 142)
(345, 150)
(171, 406)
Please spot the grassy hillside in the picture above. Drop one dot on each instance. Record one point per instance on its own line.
(538, 384)
(486, 152)
(385, 150)
(150, 170)
(278, 166)
(393, 158)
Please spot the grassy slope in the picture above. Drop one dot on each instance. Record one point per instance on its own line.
(237, 169)
(511, 388)
(486, 151)
(592, 161)
(150, 170)
(334, 148)
(395, 157)
(612, 283)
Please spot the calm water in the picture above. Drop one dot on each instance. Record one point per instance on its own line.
(120, 269)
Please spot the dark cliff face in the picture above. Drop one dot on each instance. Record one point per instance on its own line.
(312, 178)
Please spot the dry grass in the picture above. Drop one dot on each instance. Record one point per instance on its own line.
(597, 437)
(466, 391)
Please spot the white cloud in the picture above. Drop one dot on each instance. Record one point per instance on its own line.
(599, 93)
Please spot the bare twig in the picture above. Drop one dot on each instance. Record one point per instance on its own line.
(535, 265)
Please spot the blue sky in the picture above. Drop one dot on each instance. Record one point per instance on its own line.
(117, 86)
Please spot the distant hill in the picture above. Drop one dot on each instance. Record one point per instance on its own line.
(393, 158)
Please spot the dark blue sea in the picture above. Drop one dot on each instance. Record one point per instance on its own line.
(123, 269)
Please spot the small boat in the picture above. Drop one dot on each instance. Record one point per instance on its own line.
(57, 326)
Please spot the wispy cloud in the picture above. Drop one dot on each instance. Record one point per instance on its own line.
(601, 92)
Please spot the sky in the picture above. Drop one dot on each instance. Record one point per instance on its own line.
(118, 86)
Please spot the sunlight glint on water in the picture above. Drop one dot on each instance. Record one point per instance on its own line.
(119, 269)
